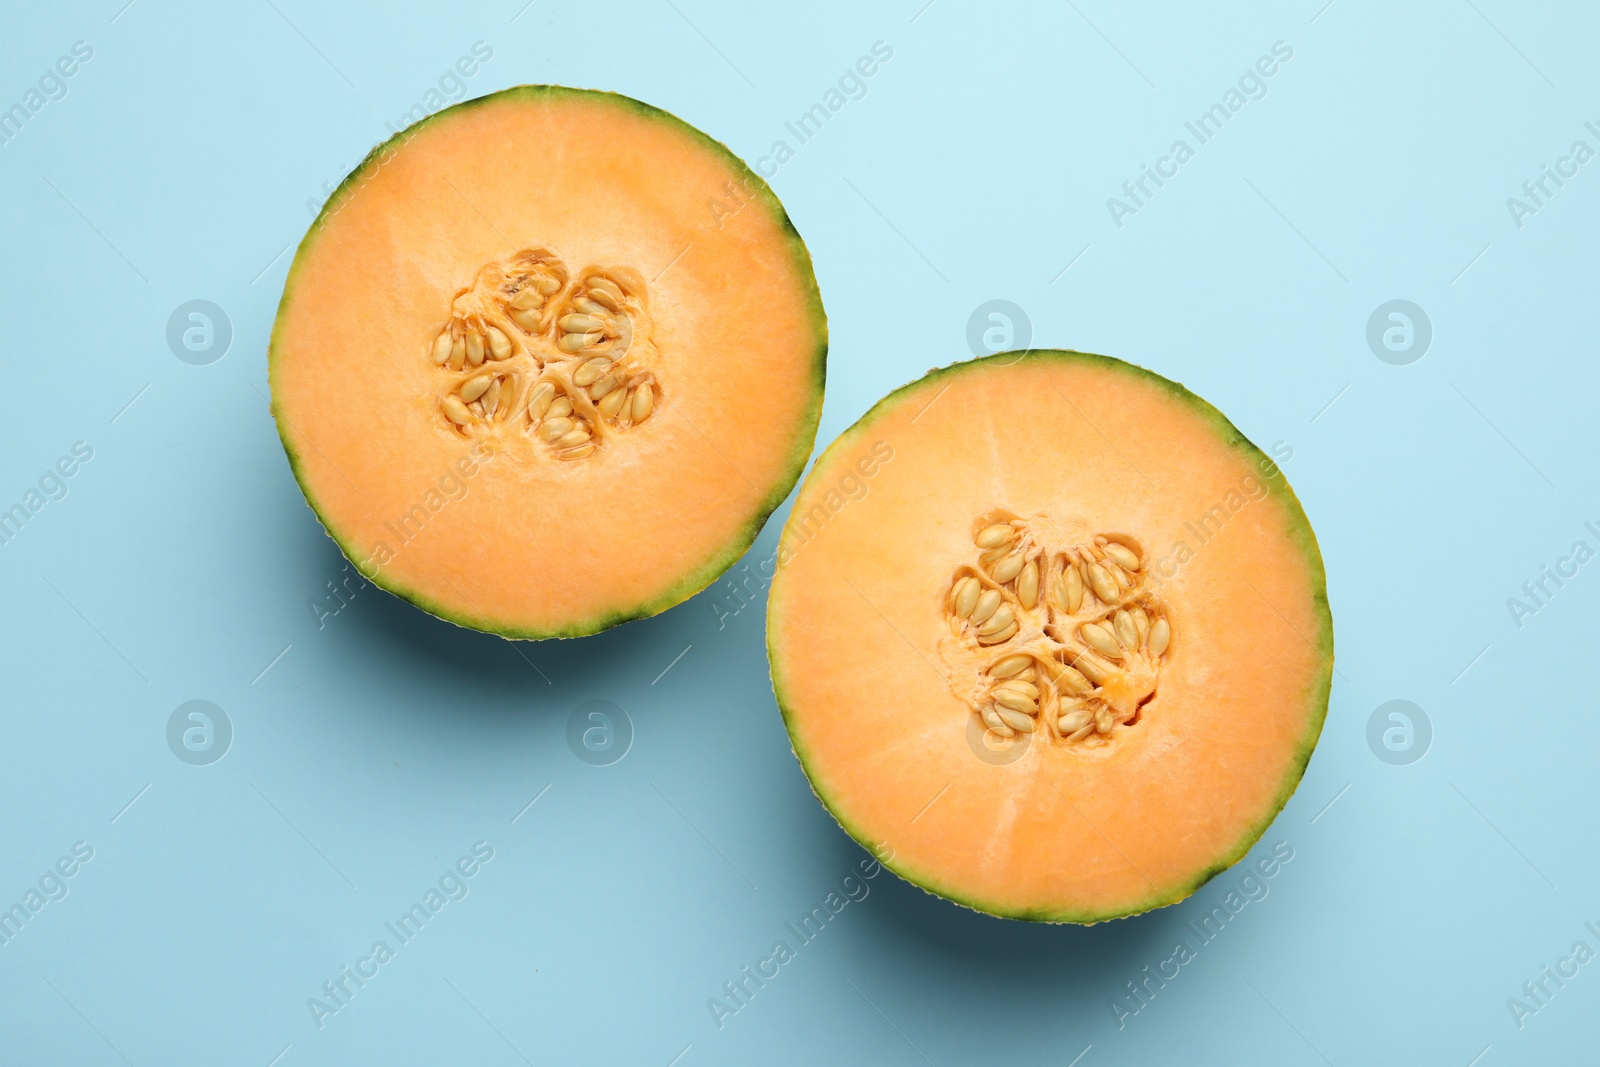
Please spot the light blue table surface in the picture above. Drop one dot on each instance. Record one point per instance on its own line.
(1428, 901)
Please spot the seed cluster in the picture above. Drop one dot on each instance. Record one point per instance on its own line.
(1083, 657)
(565, 362)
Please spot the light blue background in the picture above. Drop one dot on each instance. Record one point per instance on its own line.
(380, 746)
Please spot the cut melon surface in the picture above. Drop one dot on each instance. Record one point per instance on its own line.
(1050, 636)
(547, 360)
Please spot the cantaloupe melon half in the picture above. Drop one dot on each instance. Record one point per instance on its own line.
(547, 360)
(1050, 636)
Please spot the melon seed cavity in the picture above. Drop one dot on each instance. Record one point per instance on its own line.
(1064, 641)
(563, 361)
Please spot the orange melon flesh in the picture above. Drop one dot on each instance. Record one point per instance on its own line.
(506, 539)
(858, 612)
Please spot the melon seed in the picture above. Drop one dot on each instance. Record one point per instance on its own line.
(590, 371)
(1008, 568)
(1028, 584)
(1074, 721)
(1160, 636)
(994, 639)
(1073, 589)
(573, 343)
(547, 285)
(456, 411)
(987, 604)
(1097, 637)
(576, 436)
(539, 400)
(965, 597)
(474, 347)
(1011, 665)
(1074, 680)
(1016, 720)
(499, 343)
(550, 429)
(996, 535)
(527, 298)
(491, 398)
(1100, 580)
(577, 453)
(1127, 630)
(1124, 556)
(458, 353)
(604, 288)
(997, 724)
(560, 409)
(527, 318)
(603, 386)
(441, 347)
(998, 621)
(612, 402)
(644, 402)
(473, 388)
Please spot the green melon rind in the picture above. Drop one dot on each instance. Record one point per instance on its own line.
(805, 439)
(1316, 699)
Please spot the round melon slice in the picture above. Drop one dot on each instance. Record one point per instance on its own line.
(1050, 636)
(547, 360)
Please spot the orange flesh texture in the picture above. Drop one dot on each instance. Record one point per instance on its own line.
(536, 545)
(1073, 832)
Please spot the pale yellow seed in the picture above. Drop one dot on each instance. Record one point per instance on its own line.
(994, 554)
(1017, 720)
(1001, 619)
(612, 403)
(1127, 630)
(603, 386)
(1079, 735)
(1160, 636)
(456, 411)
(579, 452)
(1074, 680)
(573, 343)
(1105, 587)
(1008, 568)
(988, 603)
(1097, 637)
(1091, 670)
(588, 307)
(508, 396)
(967, 593)
(644, 402)
(572, 437)
(604, 299)
(476, 407)
(599, 287)
(550, 429)
(539, 400)
(491, 398)
(1017, 685)
(548, 286)
(1074, 721)
(994, 536)
(473, 388)
(1103, 721)
(1125, 557)
(560, 409)
(591, 371)
(1016, 702)
(580, 323)
(458, 353)
(1073, 580)
(442, 346)
(527, 299)
(1028, 584)
(499, 343)
(1011, 665)
(1141, 622)
(474, 347)
(997, 724)
(1030, 675)
(994, 639)
(527, 318)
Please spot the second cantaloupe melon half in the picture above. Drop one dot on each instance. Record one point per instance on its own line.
(1050, 636)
